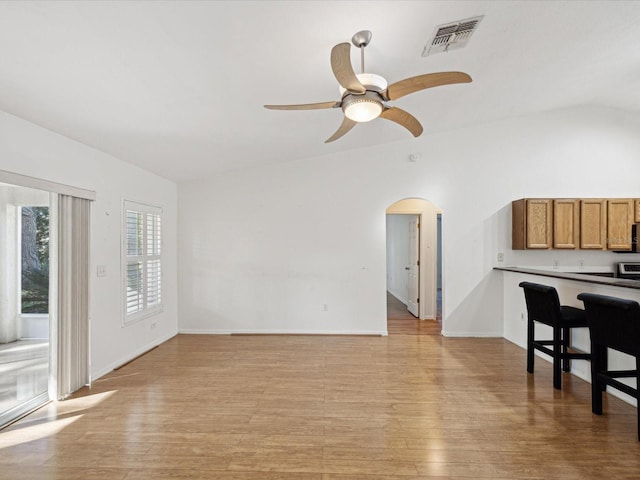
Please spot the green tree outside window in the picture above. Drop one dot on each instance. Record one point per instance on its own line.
(35, 259)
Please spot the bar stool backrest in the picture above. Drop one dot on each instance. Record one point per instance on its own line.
(614, 322)
(543, 304)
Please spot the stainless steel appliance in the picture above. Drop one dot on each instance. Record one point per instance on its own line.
(630, 270)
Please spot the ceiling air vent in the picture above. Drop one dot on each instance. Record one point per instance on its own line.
(451, 36)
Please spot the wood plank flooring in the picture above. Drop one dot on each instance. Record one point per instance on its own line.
(401, 322)
(401, 407)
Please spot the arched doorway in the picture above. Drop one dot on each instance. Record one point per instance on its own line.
(413, 264)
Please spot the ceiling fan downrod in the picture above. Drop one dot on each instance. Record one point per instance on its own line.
(361, 40)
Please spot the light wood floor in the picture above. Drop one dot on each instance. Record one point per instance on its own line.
(401, 407)
(401, 322)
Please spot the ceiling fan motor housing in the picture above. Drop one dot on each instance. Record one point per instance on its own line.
(370, 81)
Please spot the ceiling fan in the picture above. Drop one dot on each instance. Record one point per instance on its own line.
(364, 94)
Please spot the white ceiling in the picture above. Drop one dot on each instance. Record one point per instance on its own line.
(177, 87)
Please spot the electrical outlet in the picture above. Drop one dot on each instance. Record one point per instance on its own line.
(555, 264)
(581, 264)
(325, 307)
(154, 324)
(500, 257)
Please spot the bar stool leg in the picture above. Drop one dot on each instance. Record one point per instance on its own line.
(530, 349)
(557, 349)
(566, 343)
(598, 353)
(604, 366)
(638, 387)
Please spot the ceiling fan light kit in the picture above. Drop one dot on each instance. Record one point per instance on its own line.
(367, 106)
(362, 109)
(363, 95)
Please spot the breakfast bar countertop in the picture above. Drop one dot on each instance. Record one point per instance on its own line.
(587, 277)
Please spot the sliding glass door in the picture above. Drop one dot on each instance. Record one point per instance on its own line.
(25, 282)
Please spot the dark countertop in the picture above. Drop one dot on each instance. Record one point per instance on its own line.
(580, 277)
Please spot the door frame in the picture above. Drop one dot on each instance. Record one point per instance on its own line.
(427, 272)
(21, 197)
(413, 269)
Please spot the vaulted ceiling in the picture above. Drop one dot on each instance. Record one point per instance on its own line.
(178, 87)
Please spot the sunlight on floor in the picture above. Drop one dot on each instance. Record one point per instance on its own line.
(12, 438)
(65, 407)
(46, 422)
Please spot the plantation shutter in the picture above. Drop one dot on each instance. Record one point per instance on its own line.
(142, 260)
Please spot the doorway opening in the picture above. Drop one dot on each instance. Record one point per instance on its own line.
(25, 258)
(414, 266)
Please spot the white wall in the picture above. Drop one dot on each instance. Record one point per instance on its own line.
(30, 150)
(398, 255)
(265, 249)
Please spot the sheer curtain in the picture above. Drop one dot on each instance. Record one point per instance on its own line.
(72, 333)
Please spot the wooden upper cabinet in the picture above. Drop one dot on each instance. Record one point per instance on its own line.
(569, 223)
(531, 223)
(539, 223)
(593, 223)
(620, 217)
(566, 223)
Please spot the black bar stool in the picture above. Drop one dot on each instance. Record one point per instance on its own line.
(543, 306)
(613, 323)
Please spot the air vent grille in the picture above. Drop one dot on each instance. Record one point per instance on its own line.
(451, 36)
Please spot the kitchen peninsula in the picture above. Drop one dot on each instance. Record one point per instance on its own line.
(569, 285)
(601, 278)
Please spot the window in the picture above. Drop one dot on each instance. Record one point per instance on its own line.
(142, 260)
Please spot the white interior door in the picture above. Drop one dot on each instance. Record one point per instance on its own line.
(413, 280)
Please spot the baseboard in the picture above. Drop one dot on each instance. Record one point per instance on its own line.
(192, 331)
(377, 333)
(473, 334)
(130, 356)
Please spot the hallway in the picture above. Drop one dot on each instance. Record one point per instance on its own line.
(401, 322)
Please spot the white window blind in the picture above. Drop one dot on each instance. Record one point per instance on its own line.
(142, 260)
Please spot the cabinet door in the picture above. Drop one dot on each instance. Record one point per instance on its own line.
(593, 223)
(637, 202)
(566, 223)
(539, 223)
(620, 217)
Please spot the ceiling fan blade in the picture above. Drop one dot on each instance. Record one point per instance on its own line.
(304, 106)
(347, 124)
(342, 69)
(403, 118)
(428, 80)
